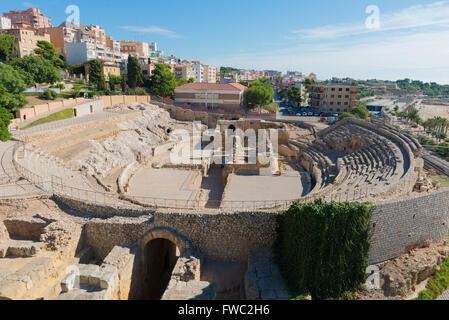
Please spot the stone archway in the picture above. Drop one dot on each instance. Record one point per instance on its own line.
(160, 250)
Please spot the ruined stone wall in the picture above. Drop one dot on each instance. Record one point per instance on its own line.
(398, 226)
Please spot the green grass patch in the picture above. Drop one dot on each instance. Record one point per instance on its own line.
(61, 115)
(438, 285)
(272, 107)
(443, 180)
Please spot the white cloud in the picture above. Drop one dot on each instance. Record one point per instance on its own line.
(153, 30)
(431, 15)
(422, 56)
(416, 46)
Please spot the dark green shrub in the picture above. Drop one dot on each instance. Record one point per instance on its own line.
(322, 248)
(49, 95)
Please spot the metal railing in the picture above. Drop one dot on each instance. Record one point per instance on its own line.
(55, 185)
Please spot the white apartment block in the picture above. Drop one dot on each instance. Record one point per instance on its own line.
(80, 52)
(199, 70)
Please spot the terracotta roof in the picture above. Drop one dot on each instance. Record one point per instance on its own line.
(213, 86)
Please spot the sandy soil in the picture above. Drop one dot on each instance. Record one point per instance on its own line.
(431, 111)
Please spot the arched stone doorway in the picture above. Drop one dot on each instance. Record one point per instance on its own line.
(160, 250)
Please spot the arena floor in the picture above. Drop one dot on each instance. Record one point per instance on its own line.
(165, 184)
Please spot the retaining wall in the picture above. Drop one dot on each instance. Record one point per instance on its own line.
(398, 227)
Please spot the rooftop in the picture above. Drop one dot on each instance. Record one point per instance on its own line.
(213, 86)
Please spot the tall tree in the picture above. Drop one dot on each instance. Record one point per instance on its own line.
(36, 70)
(96, 75)
(134, 73)
(7, 47)
(258, 96)
(15, 85)
(114, 80)
(162, 82)
(47, 51)
(5, 114)
(295, 96)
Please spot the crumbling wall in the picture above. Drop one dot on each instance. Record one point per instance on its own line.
(135, 141)
(4, 239)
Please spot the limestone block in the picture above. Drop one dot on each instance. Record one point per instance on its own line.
(24, 248)
(89, 274)
(70, 282)
(4, 236)
(108, 278)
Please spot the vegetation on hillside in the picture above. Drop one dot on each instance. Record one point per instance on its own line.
(438, 285)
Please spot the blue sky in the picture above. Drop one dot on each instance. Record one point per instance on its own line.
(327, 37)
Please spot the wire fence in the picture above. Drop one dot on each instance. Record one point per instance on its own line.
(56, 186)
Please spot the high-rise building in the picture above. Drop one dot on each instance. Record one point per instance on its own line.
(59, 36)
(32, 16)
(199, 70)
(113, 51)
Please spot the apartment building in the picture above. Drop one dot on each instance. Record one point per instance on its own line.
(210, 74)
(199, 71)
(140, 50)
(5, 23)
(334, 98)
(26, 39)
(147, 70)
(59, 36)
(113, 52)
(185, 71)
(211, 95)
(80, 52)
(108, 69)
(84, 43)
(32, 16)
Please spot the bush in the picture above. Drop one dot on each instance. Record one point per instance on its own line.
(49, 95)
(322, 248)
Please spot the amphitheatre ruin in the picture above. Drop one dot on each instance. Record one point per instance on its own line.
(99, 196)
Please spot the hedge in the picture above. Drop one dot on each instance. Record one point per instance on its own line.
(322, 248)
